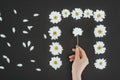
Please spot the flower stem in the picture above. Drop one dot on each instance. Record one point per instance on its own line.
(77, 40)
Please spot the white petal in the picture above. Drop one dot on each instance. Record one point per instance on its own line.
(24, 44)
(2, 35)
(2, 67)
(7, 59)
(9, 45)
(25, 20)
(38, 69)
(45, 37)
(36, 14)
(0, 18)
(28, 43)
(25, 32)
(32, 61)
(15, 11)
(29, 27)
(19, 65)
(13, 30)
(31, 48)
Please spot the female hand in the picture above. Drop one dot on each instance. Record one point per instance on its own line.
(80, 61)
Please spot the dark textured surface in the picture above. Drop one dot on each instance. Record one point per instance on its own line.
(41, 53)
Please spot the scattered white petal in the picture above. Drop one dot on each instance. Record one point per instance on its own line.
(55, 17)
(31, 48)
(45, 37)
(13, 29)
(7, 59)
(38, 69)
(0, 18)
(100, 31)
(2, 35)
(24, 44)
(19, 65)
(2, 67)
(77, 13)
(9, 45)
(55, 62)
(54, 32)
(56, 48)
(14, 11)
(25, 20)
(99, 47)
(28, 43)
(29, 27)
(36, 14)
(25, 32)
(100, 63)
(77, 31)
(32, 61)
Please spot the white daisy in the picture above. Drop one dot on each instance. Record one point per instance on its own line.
(100, 31)
(99, 47)
(100, 63)
(77, 31)
(55, 17)
(65, 13)
(54, 32)
(88, 13)
(77, 13)
(55, 62)
(99, 15)
(56, 48)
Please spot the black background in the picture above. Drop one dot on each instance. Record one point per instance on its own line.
(41, 53)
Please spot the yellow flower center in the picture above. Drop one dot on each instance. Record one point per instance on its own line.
(76, 13)
(55, 62)
(65, 13)
(54, 33)
(55, 17)
(100, 31)
(88, 13)
(56, 48)
(100, 63)
(98, 15)
(99, 47)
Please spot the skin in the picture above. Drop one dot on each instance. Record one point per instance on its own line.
(80, 61)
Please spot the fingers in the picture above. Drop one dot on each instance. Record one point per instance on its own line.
(71, 58)
(83, 54)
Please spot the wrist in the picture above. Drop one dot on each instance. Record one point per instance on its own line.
(76, 76)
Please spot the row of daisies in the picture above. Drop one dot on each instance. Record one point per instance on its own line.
(55, 32)
(56, 17)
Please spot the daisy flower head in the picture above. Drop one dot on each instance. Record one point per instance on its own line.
(55, 62)
(56, 48)
(77, 31)
(100, 31)
(88, 13)
(100, 63)
(65, 13)
(77, 13)
(99, 15)
(99, 47)
(55, 17)
(54, 32)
